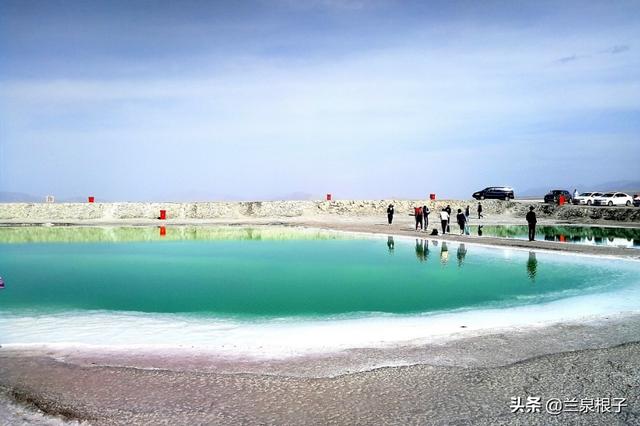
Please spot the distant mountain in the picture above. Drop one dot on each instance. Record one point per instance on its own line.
(18, 197)
(618, 185)
(295, 196)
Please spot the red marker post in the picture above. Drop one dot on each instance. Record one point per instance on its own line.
(163, 215)
(328, 197)
(92, 199)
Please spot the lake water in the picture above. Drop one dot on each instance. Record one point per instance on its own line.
(227, 286)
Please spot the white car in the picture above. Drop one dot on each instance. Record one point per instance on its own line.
(586, 198)
(613, 199)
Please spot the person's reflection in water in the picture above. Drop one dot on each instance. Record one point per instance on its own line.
(461, 253)
(532, 265)
(420, 250)
(390, 244)
(444, 253)
(480, 230)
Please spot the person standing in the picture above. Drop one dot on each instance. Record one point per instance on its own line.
(390, 211)
(532, 220)
(425, 216)
(417, 211)
(480, 211)
(575, 193)
(444, 220)
(462, 221)
(467, 213)
(449, 221)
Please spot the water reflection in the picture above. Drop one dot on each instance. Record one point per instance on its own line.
(461, 253)
(390, 244)
(88, 234)
(421, 250)
(532, 265)
(590, 235)
(444, 253)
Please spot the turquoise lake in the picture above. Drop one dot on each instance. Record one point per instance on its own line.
(274, 273)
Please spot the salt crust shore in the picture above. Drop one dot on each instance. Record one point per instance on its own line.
(450, 388)
(198, 211)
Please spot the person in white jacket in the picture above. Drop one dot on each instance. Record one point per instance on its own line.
(444, 220)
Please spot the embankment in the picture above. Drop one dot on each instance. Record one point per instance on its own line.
(62, 212)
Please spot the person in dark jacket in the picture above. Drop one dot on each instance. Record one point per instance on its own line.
(448, 209)
(390, 212)
(425, 216)
(480, 211)
(532, 220)
(462, 221)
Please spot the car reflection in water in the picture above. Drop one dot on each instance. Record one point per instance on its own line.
(585, 235)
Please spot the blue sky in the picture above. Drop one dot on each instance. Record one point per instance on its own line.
(199, 100)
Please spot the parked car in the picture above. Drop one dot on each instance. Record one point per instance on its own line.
(613, 199)
(554, 195)
(636, 200)
(495, 192)
(586, 198)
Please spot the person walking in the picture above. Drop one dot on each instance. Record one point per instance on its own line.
(390, 211)
(532, 220)
(417, 211)
(462, 221)
(444, 220)
(449, 221)
(425, 216)
(480, 211)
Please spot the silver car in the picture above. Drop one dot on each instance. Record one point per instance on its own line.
(586, 198)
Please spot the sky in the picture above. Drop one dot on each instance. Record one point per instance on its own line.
(268, 99)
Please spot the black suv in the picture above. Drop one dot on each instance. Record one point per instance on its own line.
(554, 195)
(495, 192)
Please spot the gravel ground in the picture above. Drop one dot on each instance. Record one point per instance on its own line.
(420, 394)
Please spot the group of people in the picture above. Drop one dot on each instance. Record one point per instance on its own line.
(422, 217)
(462, 218)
